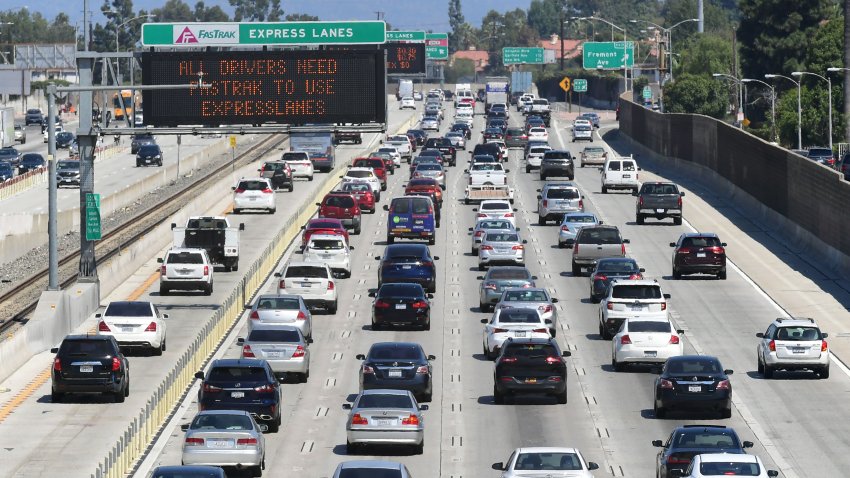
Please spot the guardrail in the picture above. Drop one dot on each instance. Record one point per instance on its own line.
(162, 404)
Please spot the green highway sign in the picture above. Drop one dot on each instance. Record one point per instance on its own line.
(522, 55)
(647, 93)
(405, 36)
(579, 85)
(437, 46)
(263, 33)
(93, 232)
(608, 55)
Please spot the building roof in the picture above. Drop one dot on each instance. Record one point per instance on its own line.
(572, 48)
(481, 58)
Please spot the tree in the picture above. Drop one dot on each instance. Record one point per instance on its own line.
(174, 11)
(459, 34)
(696, 94)
(26, 27)
(301, 17)
(116, 12)
(209, 14)
(545, 16)
(256, 10)
(705, 54)
(717, 18)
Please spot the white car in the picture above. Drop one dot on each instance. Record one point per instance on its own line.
(538, 133)
(503, 147)
(535, 157)
(793, 344)
(403, 144)
(457, 138)
(496, 209)
(331, 250)
(465, 117)
(314, 282)
(134, 324)
(300, 164)
(366, 175)
(727, 464)
(542, 462)
(582, 122)
(393, 152)
(465, 108)
(277, 309)
(407, 102)
(582, 133)
(630, 298)
(255, 193)
(645, 341)
(524, 323)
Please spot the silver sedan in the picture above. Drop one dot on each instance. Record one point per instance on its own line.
(534, 297)
(432, 171)
(570, 225)
(225, 438)
(282, 309)
(282, 346)
(485, 225)
(501, 247)
(457, 138)
(498, 279)
(385, 417)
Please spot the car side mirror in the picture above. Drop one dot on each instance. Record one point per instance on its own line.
(199, 375)
(554, 300)
(432, 357)
(760, 335)
(470, 229)
(657, 443)
(240, 340)
(484, 321)
(377, 258)
(479, 278)
(436, 258)
(303, 228)
(772, 473)
(372, 294)
(233, 188)
(351, 247)
(592, 465)
(277, 274)
(635, 193)
(97, 316)
(241, 226)
(682, 194)
(548, 321)
(524, 241)
(516, 210)
(680, 331)
(566, 353)
(54, 350)
(430, 296)
(386, 207)
(260, 169)
(340, 176)
(466, 171)
(518, 229)
(423, 407)
(498, 466)
(159, 260)
(346, 406)
(475, 209)
(825, 335)
(173, 225)
(507, 171)
(360, 357)
(748, 444)
(639, 169)
(728, 371)
(667, 296)
(723, 244)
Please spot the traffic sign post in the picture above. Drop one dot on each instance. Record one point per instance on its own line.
(580, 85)
(647, 93)
(93, 231)
(565, 84)
(608, 55)
(523, 55)
(437, 46)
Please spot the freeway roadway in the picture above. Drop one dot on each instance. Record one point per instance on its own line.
(609, 415)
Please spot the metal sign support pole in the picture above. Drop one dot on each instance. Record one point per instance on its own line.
(52, 233)
(87, 137)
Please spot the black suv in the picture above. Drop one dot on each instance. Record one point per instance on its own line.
(242, 384)
(558, 164)
(90, 364)
(444, 145)
(34, 116)
(140, 139)
(690, 440)
(530, 366)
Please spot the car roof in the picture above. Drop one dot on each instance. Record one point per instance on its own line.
(233, 362)
(545, 449)
(699, 234)
(418, 248)
(559, 185)
(526, 289)
(370, 464)
(127, 302)
(384, 391)
(795, 322)
(223, 412)
(728, 457)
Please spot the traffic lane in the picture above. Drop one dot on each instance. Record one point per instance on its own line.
(188, 312)
(314, 409)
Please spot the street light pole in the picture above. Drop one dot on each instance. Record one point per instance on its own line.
(772, 105)
(799, 107)
(669, 32)
(829, 92)
(118, 61)
(836, 69)
(740, 84)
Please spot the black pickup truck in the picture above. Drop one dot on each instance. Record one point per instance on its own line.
(659, 200)
(340, 136)
(445, 146)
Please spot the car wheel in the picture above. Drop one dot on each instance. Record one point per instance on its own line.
(617, 366)
(527, 169)
(604, 190)
(272, 210)
(419, 449)
(562, 397)
(603, 332)
(291, 187)
(722, 274)
(554, 332)
(57, 397)
(561, 245)
(824, 372)
(498, 396)
(257, 470)
(660, 412)
(677, 221)
(157, 351)
(726, 413)
(542, 177)
(432, 241)
(759, 366)
(163, 290)
(209, 289)
(159, 163)
(427, 325)
(676, 274)
(122, 394)
(541, 221)
(576, 270)
(237, 211)
(357, 229)
(768, 371)
(482, 267)
(639, 219)
(376, 326)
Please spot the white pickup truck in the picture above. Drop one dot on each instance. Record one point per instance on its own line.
(402, 145)
(537, 106)
(215, 235)
(487, 174)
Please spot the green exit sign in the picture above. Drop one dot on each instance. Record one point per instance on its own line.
(93, 230)
(579, 85)
(405, 36)
(522, 56)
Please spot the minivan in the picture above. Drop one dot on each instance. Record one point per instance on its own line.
(620, 173)
(342, 206)
(411, 217)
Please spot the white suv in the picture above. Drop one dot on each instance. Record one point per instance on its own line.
(254, 193)
(185, 269)
(331, 250)
(312, 281)
(793, 344)
(630, 298)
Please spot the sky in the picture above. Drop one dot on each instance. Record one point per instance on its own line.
(404, 14)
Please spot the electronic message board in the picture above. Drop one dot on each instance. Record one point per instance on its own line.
(258, 87)
(405, 58)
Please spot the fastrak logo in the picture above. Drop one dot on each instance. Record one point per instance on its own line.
(186, 36)
(206, 34)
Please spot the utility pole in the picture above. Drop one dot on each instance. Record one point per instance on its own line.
(701, 24)
(735, 68)
(563, 19)
(847, 71)
(86, 32)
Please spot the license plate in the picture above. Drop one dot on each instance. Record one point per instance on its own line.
(306, 284)
(237, 394)
(273, 355)
(385, 423)
(252, 199)
(798, 350)
(406, 267)
(627, 175)
(636, 308)
(86, 368)
(700, 254)
(394, 373)
(650, 353)
(694, 388)
(519, 334)
(531, 380)
(401, 306)
(220, 443)
(126, 329)
(659, 210)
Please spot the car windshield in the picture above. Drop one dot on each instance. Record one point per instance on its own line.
(706, 438)
(531, 350)
(689, 366)
(325, 244)
(648, 326)
(526, 296)
(700, 242)
(68, 165)
(395, 352)
(375, 400)
(820, 152)
(252, 186)
(274, 335)
(369, 473)
(585, 219)
(562, 193)
(508, 274)
(798, 333)
(64, 136)
(185, 258)
(8, 152)
(359, 174)
(239, 374)
(129, 309)
(311, 272)
(636, 292)
(548, 461)
(222, 422)
(280, 303)
(519, 316)
(600, 236)
(594, 150)
(501, 237)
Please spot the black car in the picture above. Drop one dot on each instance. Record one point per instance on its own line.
(844, 166)
(444, 145)
(397, 366)
(149, 154)
(530, 366)
(279, 173)
(34, 116)
(489, 149)
(242, 384)
(10, 155)
(410, 263)
(68, 172)
(7, 172)
(31, 162)
(463, 128)
(693, 382)
(140, 139)
(401, 304)
(188, 471)
(822, 155)
(608, 269)
(557, 163)
(687, 441)
(418, 135)
(500, 123)
(493, 133)
(89, 364)
(64, 139)
(534, 122)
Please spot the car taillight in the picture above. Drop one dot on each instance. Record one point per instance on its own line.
(636, 276)
(544, 330)
(666, 384)
(565, 229)
(674, 339)
(420, 304)
(116, 364)
(545, 203)
(281, 284)
(683, 250)
(717, 250)
(609, 306)
(625, 340)
(499, 330)
(678, 460)
(824, 346)
(772, 346)
(422, 370)
(247, 352)
(239, 191)
(679, 202)
(486, 248)
(581, 204)
(162, 271)
(640, 201)
(367, 370)
(507, 360)
(623, 248)
(267, 388)
(518, 247)
(254, 314)
(481, 214)
(246, 441)
(57, 365)
(211, 388)
(510, 214)
(410, 420)
(600, 277)
(299, 352)
(268, 191)
(102, 327)
(723, 385)
(358, 419)
(553, 360)
(575, 248)
(479, 233)
(151, 327)
(545, 308)
(301, 316)
(426, 264)
(331, 285)
(380, 304)
(194, 441)
(490, 285)
(206, 270)
(664, 306)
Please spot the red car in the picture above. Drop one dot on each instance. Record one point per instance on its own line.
(699, 253)
(362, 192)
(322, 226)
(425, 186)
(377, 165)
(342, 206)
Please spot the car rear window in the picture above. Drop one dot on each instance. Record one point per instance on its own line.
(429, 167)
(400, 290)
(222, 422)
(628, 166)
(820, 152)
(253, 185)
(185, 258)
(384, 401)
(400, 352)
(325, 244)
(369, 472)
(294, 156)
(495, 225)
(617, 266)
(274, 335)
(359, 174)
(700, 242)
(313, 272)
(356, 187)
(281, 303)
(693, 365)
(519, 316)
(702, 438)
(324, 225)
(648, 326)
(400, 206)
(580, 219)
(798, 333)
(422, 182)
(369, 163)
(147, 149)
(129, 309)
(557, 155)
(548, 461)
(86, 347)
(562, 193)
(531, 350)
(614, 166)
(539, 150)
(635, 291)
(499, 274)
(729, 468)
(495, 206)
(501, 237)
(339, 201)
(273, 166)
(244, 374)
(659, 189)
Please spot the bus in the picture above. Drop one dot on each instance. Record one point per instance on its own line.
(122, 104)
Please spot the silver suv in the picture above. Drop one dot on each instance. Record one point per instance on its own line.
(793, 344)
(557, 199)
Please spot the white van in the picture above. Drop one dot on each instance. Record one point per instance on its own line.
(461, 94)
(620, 173)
